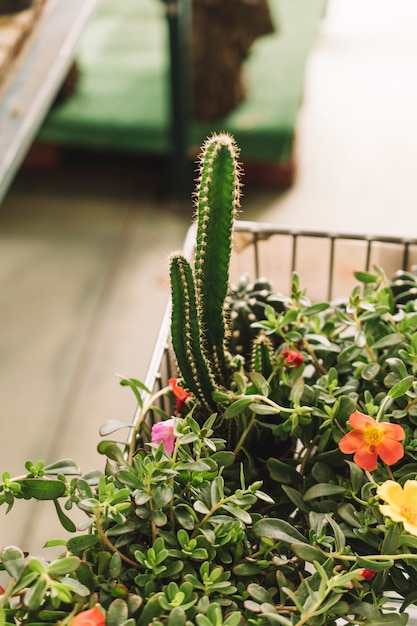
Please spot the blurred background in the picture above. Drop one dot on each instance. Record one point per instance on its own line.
(326, 120)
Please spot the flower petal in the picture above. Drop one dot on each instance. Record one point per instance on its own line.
(392, 492)
(360, 421)
(392, 511)
(351, 442)
(410, 492)
(390, 451)
(163, 432)
(393, 431)
(410, 527)
(366, 458)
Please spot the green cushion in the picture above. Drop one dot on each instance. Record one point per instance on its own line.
(122, 98)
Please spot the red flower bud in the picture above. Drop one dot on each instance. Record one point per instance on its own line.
(292, 358)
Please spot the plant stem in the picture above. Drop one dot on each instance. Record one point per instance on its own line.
(244, 434)
(147, 406)
(109, 544)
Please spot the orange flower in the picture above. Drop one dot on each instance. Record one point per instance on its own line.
(370, 439)
(91, 617)
(179, 393)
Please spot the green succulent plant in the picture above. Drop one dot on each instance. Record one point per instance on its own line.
(283, 492)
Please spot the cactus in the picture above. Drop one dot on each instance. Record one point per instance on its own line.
(404, 286)
(198, 321)
(245, 305)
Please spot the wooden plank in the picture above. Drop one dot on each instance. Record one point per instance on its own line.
(34, 77)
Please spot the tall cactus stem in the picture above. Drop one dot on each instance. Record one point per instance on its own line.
(217, 203)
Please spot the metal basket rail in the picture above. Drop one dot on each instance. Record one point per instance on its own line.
(325, 262)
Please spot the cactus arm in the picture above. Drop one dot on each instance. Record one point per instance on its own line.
(262, 356)
(186, 333)
(218, 199)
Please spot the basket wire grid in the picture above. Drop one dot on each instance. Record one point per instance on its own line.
(325, 262)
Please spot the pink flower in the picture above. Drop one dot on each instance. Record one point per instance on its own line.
(179, 393)
(370, 439)
(293, 358)
(163, 432)
(91, 617)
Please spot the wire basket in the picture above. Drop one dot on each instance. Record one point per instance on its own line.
(325, 262)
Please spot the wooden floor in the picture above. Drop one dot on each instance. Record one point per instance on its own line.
(83, 255)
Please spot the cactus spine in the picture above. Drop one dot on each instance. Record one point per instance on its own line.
(199, 328)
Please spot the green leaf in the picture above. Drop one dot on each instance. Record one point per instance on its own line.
(117, 613)
(260, 594)
(111, 450)
(177, 617)
(82, 542)
(392, 339)
(42, 489)
(308, 553)
(340, 539)
(13, 561)
(63, 566)
(397, 366)
(263, 409)
(260, 383)
(401, 387)
(246, 569)
(223, 458)
(36, 594)
(347, 512)
(370, 371)
(282, 472)
(278, 530)
(240, 514)
(295, 497)
(323, 490)
(316, 308)
(237, 407)
(135, 386)
(297, 391)
(374, 566)
(184, 516)
(365, 277)
(391, 541)
(64, 466)
(193, 466)
(112, 426)
(161, 496)
(66, 522)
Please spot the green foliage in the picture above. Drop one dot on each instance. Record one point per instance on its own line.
(255, 517)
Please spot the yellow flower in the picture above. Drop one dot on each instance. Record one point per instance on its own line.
(401, 503)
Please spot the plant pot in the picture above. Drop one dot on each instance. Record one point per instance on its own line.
(14, 6)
